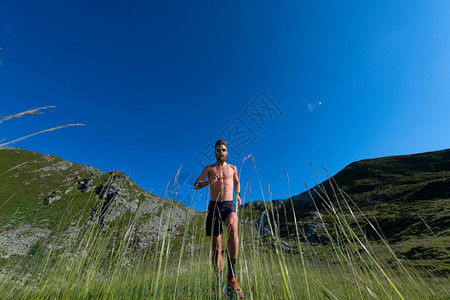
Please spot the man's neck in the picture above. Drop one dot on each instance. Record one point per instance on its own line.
(221, 163)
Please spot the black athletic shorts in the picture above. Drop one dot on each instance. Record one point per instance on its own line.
(218, 212)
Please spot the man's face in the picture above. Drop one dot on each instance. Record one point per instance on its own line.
(221, 153)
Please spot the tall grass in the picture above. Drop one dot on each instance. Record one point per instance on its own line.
(103, 263)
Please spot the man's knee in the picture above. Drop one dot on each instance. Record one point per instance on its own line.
(232, 228)
(232, 223)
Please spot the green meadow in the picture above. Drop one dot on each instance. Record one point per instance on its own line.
(104, 263)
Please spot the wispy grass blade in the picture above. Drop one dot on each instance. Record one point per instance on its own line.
(34, 111)
(36, 133)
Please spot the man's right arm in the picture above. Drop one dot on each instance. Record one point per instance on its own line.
(201, 183)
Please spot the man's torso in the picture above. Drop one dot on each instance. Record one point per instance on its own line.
(222, 189)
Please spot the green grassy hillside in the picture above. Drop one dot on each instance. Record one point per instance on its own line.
(42, 196)
(405, 198)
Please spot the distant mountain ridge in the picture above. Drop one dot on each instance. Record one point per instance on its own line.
(375, 177)
(417, 176)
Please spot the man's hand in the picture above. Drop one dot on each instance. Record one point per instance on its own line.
(214, 179)
(201, 184)
(238, 200)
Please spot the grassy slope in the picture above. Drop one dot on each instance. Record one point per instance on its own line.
(407, 198)
(22, 189)
(404, 197)
(27, 178)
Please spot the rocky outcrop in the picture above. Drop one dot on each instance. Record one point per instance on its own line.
(85, 185)
(56, 167)
(155, 226)
(20, 240)
(311, 233)
(116, 198)
(52, 198)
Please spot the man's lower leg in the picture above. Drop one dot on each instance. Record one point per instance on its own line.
(233, 245)
(216, 250)
(231, 268)
(217, 262)
(232, 256)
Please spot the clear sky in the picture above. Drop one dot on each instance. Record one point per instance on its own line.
(292, 82)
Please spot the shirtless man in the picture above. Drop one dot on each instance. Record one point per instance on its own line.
(222, 209)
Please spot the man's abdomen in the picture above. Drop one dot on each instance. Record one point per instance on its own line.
(223, 192)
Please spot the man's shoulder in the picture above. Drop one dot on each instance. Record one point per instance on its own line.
(209, 167)
(232, 166)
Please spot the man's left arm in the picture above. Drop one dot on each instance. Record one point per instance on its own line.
(237, 186)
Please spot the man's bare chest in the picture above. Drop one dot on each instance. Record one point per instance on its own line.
(224, 173)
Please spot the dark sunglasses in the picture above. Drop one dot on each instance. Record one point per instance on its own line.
(223, 149)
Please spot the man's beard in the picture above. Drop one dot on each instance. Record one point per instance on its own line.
(221, 159)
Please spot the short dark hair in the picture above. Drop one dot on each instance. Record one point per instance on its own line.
(221, 142)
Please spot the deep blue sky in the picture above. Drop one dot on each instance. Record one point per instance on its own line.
(156, 82)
